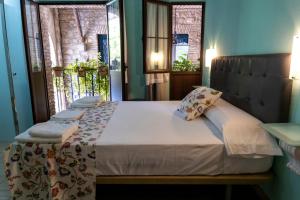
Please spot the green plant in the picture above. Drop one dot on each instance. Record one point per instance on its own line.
(183, 64)
(86, 78)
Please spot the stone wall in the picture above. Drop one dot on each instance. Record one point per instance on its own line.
(188, 21)
(48, 30)
(92, 22)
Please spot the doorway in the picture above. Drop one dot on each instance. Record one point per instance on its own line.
(73, 50)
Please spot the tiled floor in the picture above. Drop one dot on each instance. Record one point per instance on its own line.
(4, 194)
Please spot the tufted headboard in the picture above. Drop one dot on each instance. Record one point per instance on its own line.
(257, 84)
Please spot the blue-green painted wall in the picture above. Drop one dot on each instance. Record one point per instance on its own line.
(11, 16)
(6, 114)
(134, 31)
(18, 62)
(256, 27)
(231, 26)
(221, 20)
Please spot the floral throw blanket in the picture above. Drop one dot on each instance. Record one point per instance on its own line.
(58, 171)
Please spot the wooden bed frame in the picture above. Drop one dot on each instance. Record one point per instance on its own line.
(244, 179)
(228, 180)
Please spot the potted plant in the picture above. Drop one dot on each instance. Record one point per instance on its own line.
(81, 72)
(103, 70)
(58, 71)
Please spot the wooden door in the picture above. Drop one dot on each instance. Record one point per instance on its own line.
(35, 61)
(116, 49)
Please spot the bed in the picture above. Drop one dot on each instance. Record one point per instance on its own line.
(257, 84)
(148, 138)
(146, 143)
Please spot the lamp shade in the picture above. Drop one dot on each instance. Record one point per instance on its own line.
(295, 59)
(209, 56)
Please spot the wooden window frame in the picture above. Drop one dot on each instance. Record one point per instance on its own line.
(145, 30)
(170, 36)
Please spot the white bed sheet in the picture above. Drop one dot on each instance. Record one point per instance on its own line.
(148, 138)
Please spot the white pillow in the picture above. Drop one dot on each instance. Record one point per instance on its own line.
(242, 133)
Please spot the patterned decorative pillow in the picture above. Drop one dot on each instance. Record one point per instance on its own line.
(197, 101)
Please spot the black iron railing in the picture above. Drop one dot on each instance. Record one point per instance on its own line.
(70, 84)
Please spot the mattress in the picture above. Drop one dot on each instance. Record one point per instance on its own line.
(149, 138)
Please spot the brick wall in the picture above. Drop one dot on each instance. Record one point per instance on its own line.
(61, 25)
(93, 22)
(48, 29)
(188, 21)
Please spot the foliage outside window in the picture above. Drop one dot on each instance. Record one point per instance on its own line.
(184, 64)
(83, 79)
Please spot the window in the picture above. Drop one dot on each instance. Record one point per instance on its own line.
(156, 36)
(180, 46)
(187, 25)
(103, 47)
(173, 36)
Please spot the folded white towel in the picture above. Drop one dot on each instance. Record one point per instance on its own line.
(69, 115)
(89, 100)
(25, 137)
(54, 129)
(84, 105)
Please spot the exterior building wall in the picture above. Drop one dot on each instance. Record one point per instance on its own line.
(92, 23)
(187, 20)
(61, 25)
(48, 30)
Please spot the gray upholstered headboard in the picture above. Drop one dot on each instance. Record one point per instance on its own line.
(258, 84)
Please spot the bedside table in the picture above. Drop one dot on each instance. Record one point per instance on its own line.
(287, 132)
(289, 136)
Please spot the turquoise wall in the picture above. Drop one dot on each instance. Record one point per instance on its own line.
(6, 113)
(233, 27)
(257, 27)
(134, 32)
(221, 19)
(18, 62)
(16, 54)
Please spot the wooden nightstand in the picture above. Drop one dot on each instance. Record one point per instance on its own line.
(287, 132)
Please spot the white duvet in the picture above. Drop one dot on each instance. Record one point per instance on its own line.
(148, 138)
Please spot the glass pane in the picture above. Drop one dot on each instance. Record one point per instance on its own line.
(34, 39)
(151, 19)
(114, 36)
(150, 50)
(163, 21)
(163, 50)
(186, 31)
(114, 42)
(157, 51)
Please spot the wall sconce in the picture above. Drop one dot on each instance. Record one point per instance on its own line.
(156, 58)
(295, 59)
(209, 56)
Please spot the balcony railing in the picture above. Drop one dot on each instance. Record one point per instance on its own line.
(70, 85)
